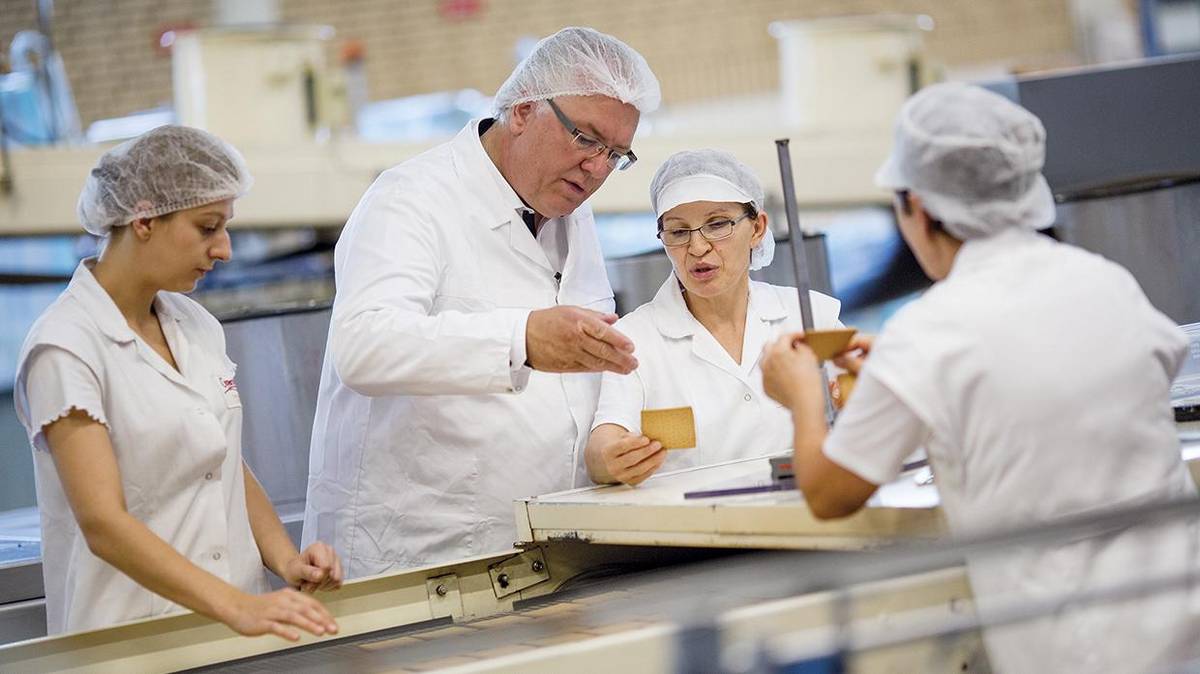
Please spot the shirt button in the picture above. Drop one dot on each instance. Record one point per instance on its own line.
(747, 397)
(216, 556)
(208, 476)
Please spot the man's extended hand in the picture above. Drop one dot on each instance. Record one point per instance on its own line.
(573, 339)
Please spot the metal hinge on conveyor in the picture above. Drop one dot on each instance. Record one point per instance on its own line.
(518, 572)
(444, 596)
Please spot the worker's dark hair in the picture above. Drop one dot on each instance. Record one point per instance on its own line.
(906, 206)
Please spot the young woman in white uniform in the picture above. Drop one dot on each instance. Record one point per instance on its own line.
(132, 409)
(1036, 375)
(699, 340)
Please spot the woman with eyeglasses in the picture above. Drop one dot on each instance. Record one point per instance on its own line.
(699, 340)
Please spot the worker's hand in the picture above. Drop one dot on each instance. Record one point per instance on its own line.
(632, 458)
(856, 353)
(573, 339)
(281, 613)
(317, 568)
(835, 393)
(791, 371)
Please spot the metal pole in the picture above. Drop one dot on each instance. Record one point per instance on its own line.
(799, 259)
(795, 235)
(45, 21)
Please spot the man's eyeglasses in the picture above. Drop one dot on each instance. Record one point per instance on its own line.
(584, 143)
(711, 231)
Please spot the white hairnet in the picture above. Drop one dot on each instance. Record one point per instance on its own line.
(974, 158)
(710, 175)
(167, 169)
(581, 62)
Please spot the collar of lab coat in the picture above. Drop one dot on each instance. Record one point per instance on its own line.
(112, 324)
(498, 197)
(975, 254)
(674, 320)
(478, 167)
(100, 304)
(103, 309)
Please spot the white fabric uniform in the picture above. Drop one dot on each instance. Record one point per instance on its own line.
(423, 435)
(682, 365)
(1040, 376)
(176, 435)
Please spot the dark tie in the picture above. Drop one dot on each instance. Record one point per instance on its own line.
(527, 216)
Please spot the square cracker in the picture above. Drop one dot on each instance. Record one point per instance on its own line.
(828, 343)
(674, 427)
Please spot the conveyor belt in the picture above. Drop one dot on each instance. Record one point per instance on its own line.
(604, 601)
(598, 602)
(437, 644)
(616, 624)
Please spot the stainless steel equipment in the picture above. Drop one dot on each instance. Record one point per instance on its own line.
(1110, 124)
(1126, 179)
(279, 357)
(1149, 226)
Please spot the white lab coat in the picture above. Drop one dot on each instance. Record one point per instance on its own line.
(424, 433)
(176, 435)
(682, 365)
(1041, 375)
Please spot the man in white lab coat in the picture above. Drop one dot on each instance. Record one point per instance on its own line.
(1036, 375)
(472, 318)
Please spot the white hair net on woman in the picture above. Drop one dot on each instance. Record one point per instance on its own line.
(710, 175)
(974, 158)
(581, 62)
(164, 170)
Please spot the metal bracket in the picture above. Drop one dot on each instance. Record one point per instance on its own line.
(444, 596)
(518, 572)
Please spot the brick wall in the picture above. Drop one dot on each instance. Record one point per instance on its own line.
(695, 46)
(108, 47)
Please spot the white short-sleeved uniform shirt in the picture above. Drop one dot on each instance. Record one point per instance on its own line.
(176, 436)
(680, 364)
(1038, 375)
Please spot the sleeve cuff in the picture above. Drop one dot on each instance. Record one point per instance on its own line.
(517, 355)
(629, 424)
(620, 402)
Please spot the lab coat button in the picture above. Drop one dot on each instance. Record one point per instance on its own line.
(216, 556)
(747, 397)
(208, 476)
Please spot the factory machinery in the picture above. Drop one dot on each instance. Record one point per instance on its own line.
(669, 576)
(569, 592)
(718, 568)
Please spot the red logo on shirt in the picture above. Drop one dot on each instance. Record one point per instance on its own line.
(228, 384)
